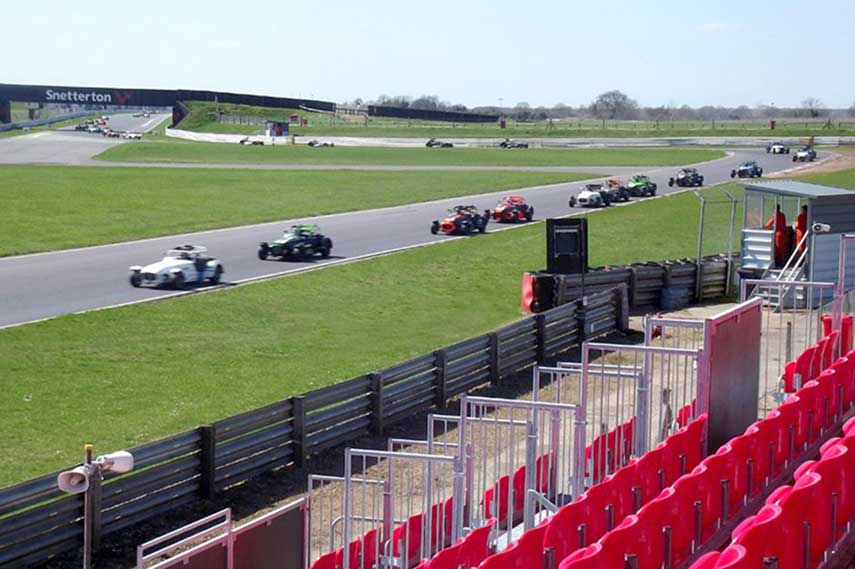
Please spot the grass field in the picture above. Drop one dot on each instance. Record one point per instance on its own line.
(93, 205)
(148, 371)
(203, 118)
(170, 150)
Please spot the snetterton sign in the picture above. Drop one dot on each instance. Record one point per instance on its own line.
(77, 97)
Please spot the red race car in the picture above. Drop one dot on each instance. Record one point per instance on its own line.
(513, 209)
(461, 220)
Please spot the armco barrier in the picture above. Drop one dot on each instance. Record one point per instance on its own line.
(37, 521)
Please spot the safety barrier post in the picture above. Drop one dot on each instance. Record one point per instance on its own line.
(494, 358)
(441, 391)
(298, 430)
(378, 426)
(208, 461)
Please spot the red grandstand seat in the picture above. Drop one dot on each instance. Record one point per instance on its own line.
(818, 357)
(489, 494)
(601, 506)
(763, 437)
(448, 558)
(844, 368)
(793, 427)
(523, 554)
(327, 561)
(504, 559)
(702, 486)
(476, 546)
(544, 474)
(649, 475)
(829, 349)
(803, 468)
(622, 481)
(355, 552)
(762, 535)
(519, 488)
(686, 413)
(706, 561)
(562, 534)
(809, 501)
(587, 558)
(733, 457)
(694, 441)
(814, 398)
(837, 469)
(675, 459)
(733, 557)
(798, 372)
(849, 426)
(408, 535)
(622, 540)
(653, 517)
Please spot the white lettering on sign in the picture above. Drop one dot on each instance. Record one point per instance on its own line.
(78, 96)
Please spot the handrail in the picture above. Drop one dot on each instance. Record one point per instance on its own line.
(801, 257)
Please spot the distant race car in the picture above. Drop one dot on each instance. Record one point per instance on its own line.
(434, 143)
(640, 185)
(81, 126)
(593, 195)
(251, 141)
(320, 144)
(462, 220)
(513, 209)
(508, 143)
(298, 242)
(131, 136)
(777, 148)
(748, 169)
(179, 267)
(805, 154)
(687, 178)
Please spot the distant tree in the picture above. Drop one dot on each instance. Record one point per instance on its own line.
(357, 102)
(813, 107)
(662, 113)
(852, 109)
(522, 111)
(426, 102)
(614, 105)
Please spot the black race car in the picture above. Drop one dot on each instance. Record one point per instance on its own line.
(320, 144)
(461, 220)
(748, 169)
(508, 143)
(251, 142)
(687, 178)
(299, 242)
(434, 143)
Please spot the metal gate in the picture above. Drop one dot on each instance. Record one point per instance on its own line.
(408, 508)
(523, 459)
(666, 332)
(633, 397)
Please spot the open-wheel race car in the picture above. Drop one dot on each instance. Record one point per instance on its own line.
(513, 209)
(805, 154)
(251, 141)
(640, 185)
(434, 143)
(320, 144)
(748, 169)
(462, 220)
(298, 242)
(777, 148)
(508, 143)
(599, 195)
(687, 178)
(181, 266)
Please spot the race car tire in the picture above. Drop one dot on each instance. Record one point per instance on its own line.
(135, 279)
(263, 251)
(178, 282)
(733, 173)
(529, 215)
(218, 274)
(464, 227)
(482, 227)
(795, 158)
(326, 248)
(671, 182)
(434, 228)
(572, 202)
(787, 151)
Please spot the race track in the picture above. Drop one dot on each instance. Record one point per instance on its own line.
(45, 285)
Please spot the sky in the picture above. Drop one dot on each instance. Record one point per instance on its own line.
(475, 52)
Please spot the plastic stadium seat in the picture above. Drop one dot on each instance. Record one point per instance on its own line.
(622, 540)
(588, 558)
(793, 423)
(837, 469)
(476, 546)
(798, 372)
(694, 441)
(810, 501)
(649, 536)
(701, 485)
(675, 460)
(765, 535)
(706, 561)
(507, 558)
(409, 535)
(734, 557)
(733, 458)
(686, 413)
(562, 534)
(327, 561)
(519, 489)
(849, 426)
(818, 357)
(448, 558)
(502, 485)
(814, 396)
(355, 552)
(370, 546)
(803, 469)
(649, 476)
(829, 349)
(843, 367)
(523, 554)
(622, 481)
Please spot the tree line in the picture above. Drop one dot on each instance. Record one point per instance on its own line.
(615, 105)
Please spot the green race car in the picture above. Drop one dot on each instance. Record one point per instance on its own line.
(298, 242)
(640, 185)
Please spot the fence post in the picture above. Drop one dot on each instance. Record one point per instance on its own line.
(581, 319)
(94, 520)
(298, 410)
(540, 337)
(441, 392)
(622, 309)
(378, 426)
(208, 461)
(494, 358)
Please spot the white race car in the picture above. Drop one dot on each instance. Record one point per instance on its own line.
(777, 148)
(131, 136)
(179, 267)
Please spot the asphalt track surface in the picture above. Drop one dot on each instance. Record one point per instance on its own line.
(45, 285)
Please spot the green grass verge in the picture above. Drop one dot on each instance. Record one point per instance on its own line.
(94, 205)
(203, 118)
(841, 178)
(123, 376)
(166, 150)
